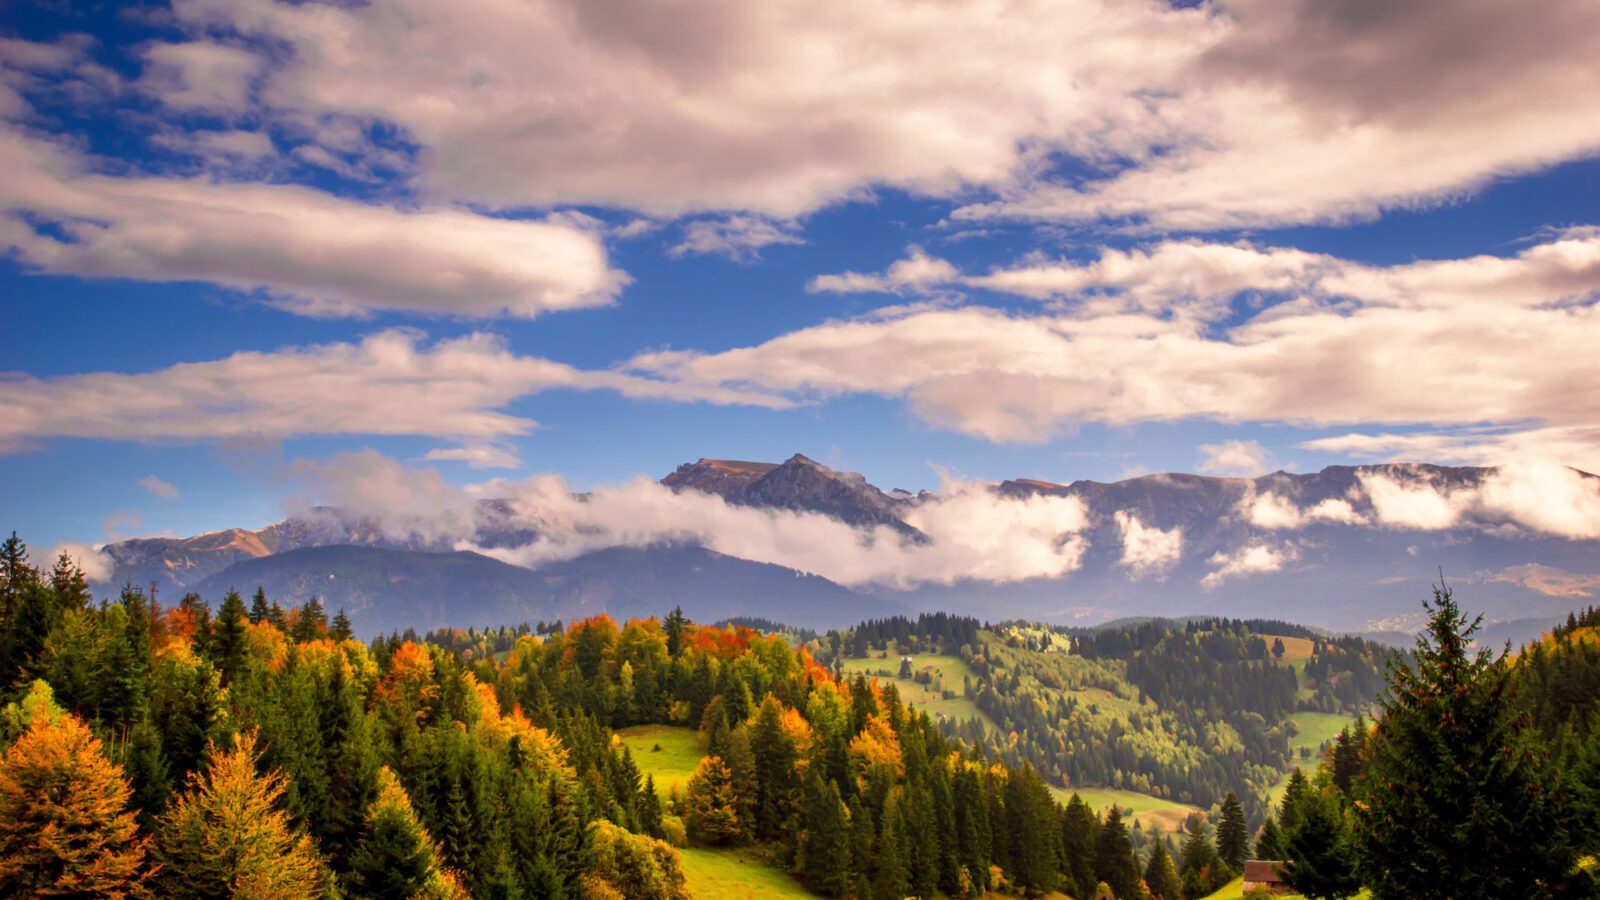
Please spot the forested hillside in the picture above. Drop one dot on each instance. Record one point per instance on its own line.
(261, 751)
(1184, 711)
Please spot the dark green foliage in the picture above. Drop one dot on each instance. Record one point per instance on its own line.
(1114, 861)
(1269, 843)
(826, 848)
(1160, 875)
(1080, 834)
(1454, 783)
(1233, 838)
(1321, 863)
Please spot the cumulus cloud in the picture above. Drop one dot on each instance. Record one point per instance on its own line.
(1535, 496)
(97, 565)
(1220, 115)
(165, 490)
(301, 249)
(739, 238)
(1277, 512)
(389, 383)
(1147, 550)
(1306, 340)
(1235, 457)
(1255, 558)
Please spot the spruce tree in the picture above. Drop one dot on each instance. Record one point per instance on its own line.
(228, 637)
(66, 829)
(1269, 843)
(1160, 875)
(312, 621)
(1113, 863)
(1233, 838)
(1456, 801)
(1289, 807)
(258, 606)
(889, 878)
(394, 858)
(711, 806)
(1079, 839)
(826, 840)
(340, 629)
(1321, 864)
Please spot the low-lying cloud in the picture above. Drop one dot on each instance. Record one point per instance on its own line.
(1147, 550)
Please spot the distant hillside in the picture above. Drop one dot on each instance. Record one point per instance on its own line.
(384, 589)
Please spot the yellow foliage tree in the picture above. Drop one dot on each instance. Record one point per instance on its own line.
(228, 836)
(65, 826)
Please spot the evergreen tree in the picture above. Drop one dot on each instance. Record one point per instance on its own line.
(674, 626)
(341, 626)
(312, 621)
(228, 836)
(1233, 838)
(394, 858)
(1456, 801)
(1289, 809)
(1114, 863)
(826, 850)
(65, 826)
(1269, 843)
(1200, 867)
(1034, 827)
(259, 610)
(228, 637)
(889, 878)
(1160, 875)
(710, 805)
(1321, 864)
(1079, 841)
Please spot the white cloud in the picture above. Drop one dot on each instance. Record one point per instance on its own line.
(97, 565)
(159, 488)
(388, 383)
(200, 75)
(1277, 512)
(1306, 340)
(1537, 496)
(739, 238)
(917, 272)
(304, 250)
(1147, 550)
(1255, 558)
(973, 532)
(1235, 457)
(477, 456)
(1192, 118)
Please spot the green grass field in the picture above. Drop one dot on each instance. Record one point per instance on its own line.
(1315, 730)
(1153, 812)
(928, 698)
(672, 765)
(734, 875)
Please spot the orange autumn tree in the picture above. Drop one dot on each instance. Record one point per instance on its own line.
(65, 825)
(229, 836)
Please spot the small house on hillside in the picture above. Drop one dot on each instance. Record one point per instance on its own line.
(1265, 873)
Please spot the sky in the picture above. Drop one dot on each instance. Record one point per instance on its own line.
(246, 244)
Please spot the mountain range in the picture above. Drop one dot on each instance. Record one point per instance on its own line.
(1341, 548)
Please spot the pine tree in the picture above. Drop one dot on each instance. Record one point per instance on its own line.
(1321, 864)
(674, 626)
(65, 826)
(312, 621)
(1269, 843)
(1113, 863)
(1455, 801)
(1289, 808)
(1079, 839)
(1233, 838)
(394, 858)
(227, 835)
(1199, 866)
(825, 850)
(259, 609)
(228, 638)
(341, 626)
(1160, 875)
(889, 878)
(776, 776)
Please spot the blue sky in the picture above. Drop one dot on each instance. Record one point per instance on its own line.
(599, 243)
